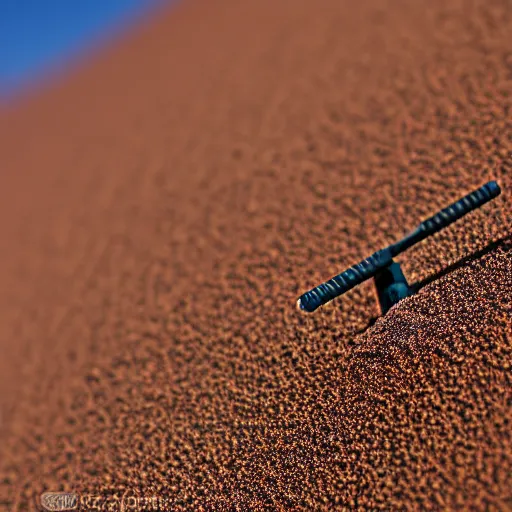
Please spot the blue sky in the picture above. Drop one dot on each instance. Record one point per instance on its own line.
(38, 36)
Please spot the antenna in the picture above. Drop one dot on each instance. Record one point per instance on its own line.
(389, 279)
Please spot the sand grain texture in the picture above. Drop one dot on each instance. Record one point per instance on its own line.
(163, 207)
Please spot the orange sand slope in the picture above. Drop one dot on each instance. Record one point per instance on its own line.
(162, 208)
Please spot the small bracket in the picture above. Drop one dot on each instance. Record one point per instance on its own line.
(391, 286)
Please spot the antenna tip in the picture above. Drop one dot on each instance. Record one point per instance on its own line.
(303, 304)
(494, 187)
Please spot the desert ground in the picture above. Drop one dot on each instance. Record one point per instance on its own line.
(164, 203)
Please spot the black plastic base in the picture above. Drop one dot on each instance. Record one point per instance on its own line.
(391, 286)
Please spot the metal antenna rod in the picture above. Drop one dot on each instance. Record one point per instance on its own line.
(382, 259)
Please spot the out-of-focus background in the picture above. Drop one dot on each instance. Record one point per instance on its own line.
(38, 39)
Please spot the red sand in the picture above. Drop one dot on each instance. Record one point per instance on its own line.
(161, 210)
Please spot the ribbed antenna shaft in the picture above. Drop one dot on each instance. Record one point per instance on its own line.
(448, 215)
(345, 281)
(367, 268)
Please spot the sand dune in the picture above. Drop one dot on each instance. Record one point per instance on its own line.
(163, 206)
